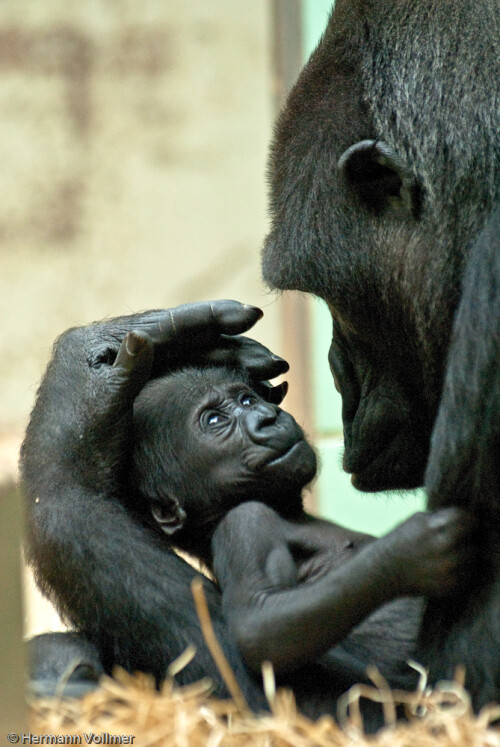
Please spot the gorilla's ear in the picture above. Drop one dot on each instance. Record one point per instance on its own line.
(379, 177)
(169, 516)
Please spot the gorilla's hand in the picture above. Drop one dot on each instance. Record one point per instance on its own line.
(84, 404)
(197, 333)
(431, 554)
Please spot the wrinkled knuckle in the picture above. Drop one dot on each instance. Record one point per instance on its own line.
(450, 517)
(443, 532)
(102, 356)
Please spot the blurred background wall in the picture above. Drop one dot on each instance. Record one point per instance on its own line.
(133, 143)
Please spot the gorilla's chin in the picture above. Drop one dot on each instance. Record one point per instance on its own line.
(296, 466)
(398, 467)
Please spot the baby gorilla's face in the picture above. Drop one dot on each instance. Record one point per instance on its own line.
(205, 441)
(249, 448)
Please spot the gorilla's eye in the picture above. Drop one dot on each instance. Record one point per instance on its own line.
(247, 400)
(213, 418)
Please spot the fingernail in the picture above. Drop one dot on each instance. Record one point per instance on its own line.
(258, 311)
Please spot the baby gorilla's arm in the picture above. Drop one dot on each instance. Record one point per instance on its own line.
(280, 568)
(274, 617)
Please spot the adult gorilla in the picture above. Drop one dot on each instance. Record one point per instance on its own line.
(385, 177)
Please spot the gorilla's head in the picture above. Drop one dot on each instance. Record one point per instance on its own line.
(384, 165)
(205, 440)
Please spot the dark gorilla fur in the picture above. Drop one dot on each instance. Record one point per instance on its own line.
(384, 181)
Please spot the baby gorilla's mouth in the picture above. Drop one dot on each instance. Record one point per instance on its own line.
(293, 466)
(279, 459)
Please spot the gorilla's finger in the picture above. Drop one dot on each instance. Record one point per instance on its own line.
(178, 335)
(235, 352)
(278, 393)
(132, 350)
(135, 353)
(194, 323)
(248, 354)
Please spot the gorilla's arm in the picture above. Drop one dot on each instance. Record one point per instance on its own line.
(109, 574)
(463, 467)
(464, 470)
(275, 615)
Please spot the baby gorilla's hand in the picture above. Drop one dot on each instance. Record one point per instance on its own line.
(431, 553)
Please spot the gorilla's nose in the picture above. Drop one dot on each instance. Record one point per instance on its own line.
(261, 421)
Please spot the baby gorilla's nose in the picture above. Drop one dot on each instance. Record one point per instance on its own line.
(261, 421)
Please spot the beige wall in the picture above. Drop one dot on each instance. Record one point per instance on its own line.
(133, 142)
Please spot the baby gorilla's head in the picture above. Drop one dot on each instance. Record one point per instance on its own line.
(204, 441)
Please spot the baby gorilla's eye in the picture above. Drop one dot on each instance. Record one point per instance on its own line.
(213, 418)
(247, 400)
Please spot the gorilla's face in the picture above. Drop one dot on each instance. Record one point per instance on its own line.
(385, 432)
(247, 448)
(206, 441)
(349, 225)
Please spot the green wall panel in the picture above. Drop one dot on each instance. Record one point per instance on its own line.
(374, 513)
(327, 402)
(314, 17)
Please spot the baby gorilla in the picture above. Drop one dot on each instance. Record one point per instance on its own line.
(223, 471)
(205, 441)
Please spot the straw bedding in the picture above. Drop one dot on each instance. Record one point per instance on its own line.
(130, 705)
(188, 717)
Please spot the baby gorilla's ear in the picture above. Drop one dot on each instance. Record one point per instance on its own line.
(168, 514)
